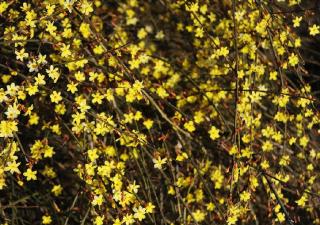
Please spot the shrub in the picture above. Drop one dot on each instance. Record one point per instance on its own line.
(158, 112)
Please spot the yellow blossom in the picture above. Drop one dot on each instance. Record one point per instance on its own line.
(296, 21)
(158, 162)
(53, 73)
(55, 97)
(30, 175)
(56, 190)
(189, 126)
(8, 128)
(65, 51)
(314, 30)
(199, 215)
(46, 219)
(214, 133)
(150, 207)
(293, 59)
(139, 213)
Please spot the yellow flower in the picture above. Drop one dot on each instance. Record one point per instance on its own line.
(273, 75)
(314, 30)
(93, 154)
(98, 50)
(139, 213)
(160, 35)
(12, 111)
(171, 190)
(65, 51)
(6, 78)
(182, 156)
(138, 116)
(53, 73)
(150, 207)
(51, 28)
(217, 177)
(46, 219)
(56, 129)
(148, 123)
(245, 196)
(267, 146)
(265, 164)
(56, 190)
(296, 21)
(12, 167)
(117, 222)
(199, 215)
(99, 220)
(3, 6)
(30, 175)
(109, 95)
(20, 55)
(7, 128)
(233, 150)
(42, 59)
(98, 200)
(79, 76)
(133, 188)
(198, 117)
(304, 141)
(32, 89)
(159, 162)
(189, 126)
(40, 79)
(214, 133)
(293, 59)
(55, 97)
(210, 206)
(128, 219)
(224, 51)
(162, 92)
(232, 220)
(281, 217)
(86, 7)
(199, 32)
(97, 98)
(297, 42)
(193, 7)
(48, 151)
(85, 29)
(34, 119)
(49, 172)
(50, 9)
(142, 33)
(60, 108)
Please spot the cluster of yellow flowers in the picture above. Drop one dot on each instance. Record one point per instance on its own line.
(156, 112)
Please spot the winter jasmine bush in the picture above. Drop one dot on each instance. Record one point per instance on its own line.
(157, 112)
